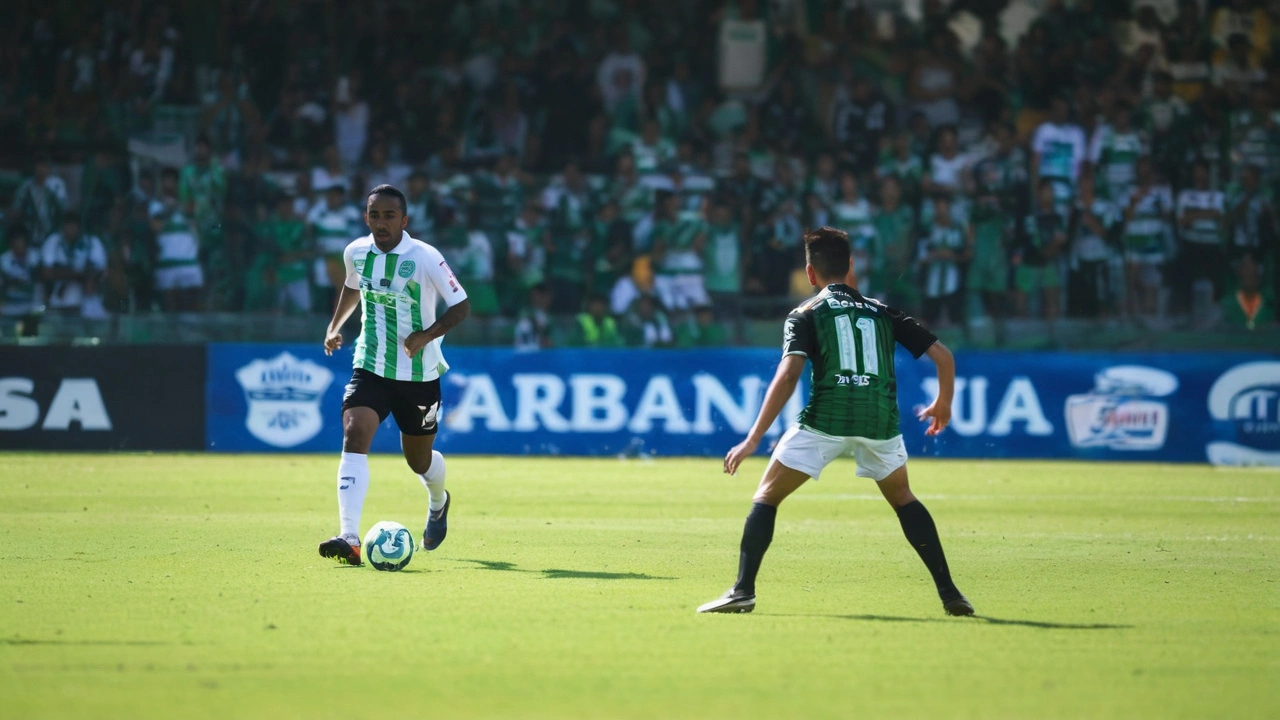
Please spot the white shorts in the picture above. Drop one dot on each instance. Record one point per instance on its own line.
(681, 292)
(811, 452)
(182, 277)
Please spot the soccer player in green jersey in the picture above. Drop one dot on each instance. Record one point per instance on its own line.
(397, 281)
(853, 408)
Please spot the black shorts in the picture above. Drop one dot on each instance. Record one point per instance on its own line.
(415, 405)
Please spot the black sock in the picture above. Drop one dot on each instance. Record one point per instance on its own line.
(756, 536)
(917, 525)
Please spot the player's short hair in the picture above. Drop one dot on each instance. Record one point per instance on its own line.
(827, 250)
(391, 191)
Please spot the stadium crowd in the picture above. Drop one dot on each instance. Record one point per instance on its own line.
(649, 167)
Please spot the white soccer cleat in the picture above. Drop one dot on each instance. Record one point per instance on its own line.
(731, 602)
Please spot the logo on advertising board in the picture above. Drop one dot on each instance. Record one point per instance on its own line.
(1122, 411)
(1245, 406)
(284, 395)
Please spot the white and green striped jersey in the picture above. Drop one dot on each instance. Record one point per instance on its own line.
(1147, 232)
(399, 291)
(1204, 231)
(1115, 155)
(858, 220)
(333, 227)
(942, 277)
(178, 241)
(855, 218)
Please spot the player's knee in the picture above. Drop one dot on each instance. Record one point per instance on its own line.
(356, 437)
(419, 466)
(899, 496)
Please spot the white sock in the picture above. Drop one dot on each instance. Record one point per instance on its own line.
(433, 478)
(353, 483)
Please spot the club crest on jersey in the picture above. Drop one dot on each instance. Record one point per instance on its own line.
(406, 269)
(283, 395)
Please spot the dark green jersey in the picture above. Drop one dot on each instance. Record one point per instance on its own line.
(849, 340)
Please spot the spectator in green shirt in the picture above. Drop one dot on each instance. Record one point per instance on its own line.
(647, 325)
(701, 330)
(202, 188)
(895, 224)
(285, 235)
(610, 254)
(1251, 305)
(569, 206)
(596, 327)
(724, 260)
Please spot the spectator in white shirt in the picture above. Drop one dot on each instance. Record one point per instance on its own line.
(350, 120)
(74, 264)
(1058, 149)
(621, 58)
(331, 173)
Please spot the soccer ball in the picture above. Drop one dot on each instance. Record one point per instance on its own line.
(388, 546)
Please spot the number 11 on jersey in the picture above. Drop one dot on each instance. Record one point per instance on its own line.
(849, 345)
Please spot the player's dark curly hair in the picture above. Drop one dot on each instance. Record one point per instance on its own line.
(392, 191)
(827, 250)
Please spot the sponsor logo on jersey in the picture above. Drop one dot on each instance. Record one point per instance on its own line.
(284, 395)
(453, 281)
(1244, 403)
(1122, 412)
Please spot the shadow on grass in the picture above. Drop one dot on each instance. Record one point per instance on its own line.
(34, 641)
(560, 574)
(1041, 624)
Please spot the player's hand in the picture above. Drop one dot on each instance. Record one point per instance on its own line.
(938, 415)
(332, 341)
(740, 452)
(415, 342)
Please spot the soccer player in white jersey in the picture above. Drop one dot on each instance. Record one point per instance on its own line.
(397, 282)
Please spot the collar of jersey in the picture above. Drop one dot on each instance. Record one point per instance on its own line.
(404, 235)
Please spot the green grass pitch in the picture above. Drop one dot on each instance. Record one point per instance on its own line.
(189, 586)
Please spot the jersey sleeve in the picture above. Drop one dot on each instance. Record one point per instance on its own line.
(49, 250)
(1095, 146)
(349, 263)
(798, 335)
(1039, 141)
(443, 279)
(97, 255)
(909, 333)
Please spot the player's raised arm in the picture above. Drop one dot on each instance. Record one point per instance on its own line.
(939, 411)
(781, 388)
